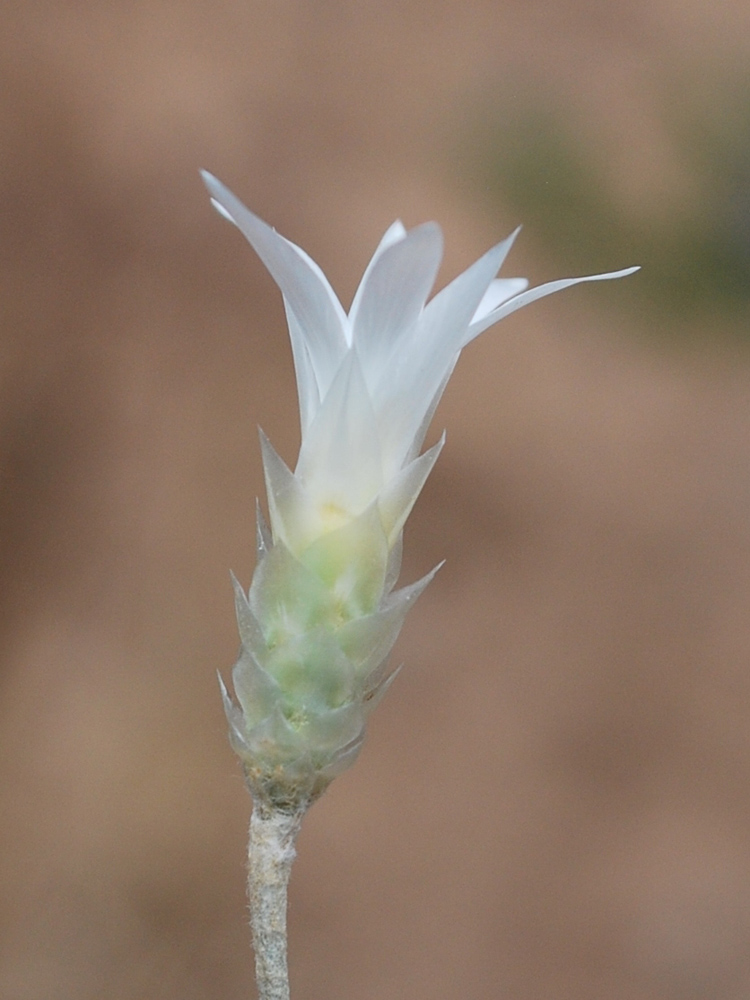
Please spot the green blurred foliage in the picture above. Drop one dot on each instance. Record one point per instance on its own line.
(694, 251)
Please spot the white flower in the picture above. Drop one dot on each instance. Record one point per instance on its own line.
(321, 617)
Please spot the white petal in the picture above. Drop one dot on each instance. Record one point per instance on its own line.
(429, 414)
(457, 302)
(339, 461)
(519, 301)
(500, 290)
(308, 389)
(414, 374)
(393, 569)
(290, 509)
(393, 234)
(393, 295)
(303, 284)
(398, 497)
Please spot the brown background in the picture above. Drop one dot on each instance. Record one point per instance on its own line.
(554, 799)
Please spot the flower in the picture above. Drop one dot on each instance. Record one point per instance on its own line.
(321, 615)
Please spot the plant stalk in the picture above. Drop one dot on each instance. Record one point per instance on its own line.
(270, 856)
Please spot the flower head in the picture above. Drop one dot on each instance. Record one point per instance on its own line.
(321, 615)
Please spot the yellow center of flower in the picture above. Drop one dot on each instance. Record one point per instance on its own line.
(333, 516)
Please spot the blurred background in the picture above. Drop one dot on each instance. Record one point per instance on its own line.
(554, 799)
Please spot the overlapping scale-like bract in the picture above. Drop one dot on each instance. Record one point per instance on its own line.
(316, 632)
(321, 614)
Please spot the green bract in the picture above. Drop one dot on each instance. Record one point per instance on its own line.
(321, 615)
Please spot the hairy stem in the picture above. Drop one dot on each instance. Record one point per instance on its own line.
(270, 856)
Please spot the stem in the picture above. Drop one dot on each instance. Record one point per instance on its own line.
(270, 856)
